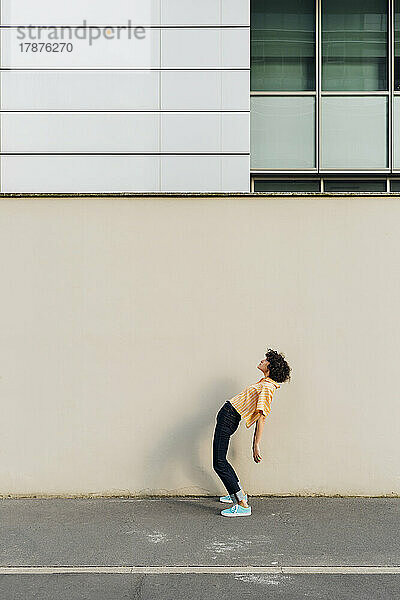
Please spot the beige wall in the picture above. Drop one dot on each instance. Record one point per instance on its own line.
(127, 322)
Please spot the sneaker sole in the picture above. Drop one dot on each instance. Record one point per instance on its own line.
(238, 515)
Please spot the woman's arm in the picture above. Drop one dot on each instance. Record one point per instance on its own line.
(257, 438)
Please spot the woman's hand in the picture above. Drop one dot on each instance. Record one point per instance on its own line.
(256, 453)
(257, 437)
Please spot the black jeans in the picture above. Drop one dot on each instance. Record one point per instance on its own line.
(228, 420)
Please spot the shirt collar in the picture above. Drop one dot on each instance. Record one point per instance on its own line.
(276, 384)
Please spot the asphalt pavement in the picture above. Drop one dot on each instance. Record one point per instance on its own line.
(175, 543)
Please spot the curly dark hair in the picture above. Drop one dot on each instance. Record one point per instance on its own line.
(279, 370)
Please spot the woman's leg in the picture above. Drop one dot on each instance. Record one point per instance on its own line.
(226, 424)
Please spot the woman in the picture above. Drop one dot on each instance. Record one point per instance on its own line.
(253, 404)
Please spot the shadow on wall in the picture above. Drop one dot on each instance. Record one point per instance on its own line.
(182, 448)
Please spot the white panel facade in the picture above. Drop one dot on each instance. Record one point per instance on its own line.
(204, 173)
(235, 90)
(196, 90)
(75, 174)
(79, 132)
(207, 132)
(235, 132)
(235, 48)
(74, 48)
(204, 90)
(176, 97)
(74, 12)
(79, 90)
(207, 12)
(235, 173)
(190, 132)
(124, 132)
(210, 48)
(120, 12)
(197, 173)
(235, 12)
(181, 12)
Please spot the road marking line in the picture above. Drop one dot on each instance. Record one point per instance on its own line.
(354, 570)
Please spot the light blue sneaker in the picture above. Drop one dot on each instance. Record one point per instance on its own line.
(236, 511)
(228, 498)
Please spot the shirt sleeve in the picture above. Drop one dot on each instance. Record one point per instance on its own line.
(264, 400)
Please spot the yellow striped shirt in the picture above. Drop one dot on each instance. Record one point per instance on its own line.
(255, 399)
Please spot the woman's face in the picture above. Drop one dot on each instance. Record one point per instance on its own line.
(263, 365)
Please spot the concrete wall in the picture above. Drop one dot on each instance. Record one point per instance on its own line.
(127, 322)
(168, 111)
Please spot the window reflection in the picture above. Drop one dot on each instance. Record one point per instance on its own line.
(287, 185)
(354, 45)
(283, 45)
(397, 45)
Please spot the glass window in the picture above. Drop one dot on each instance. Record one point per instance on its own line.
(286, 185)
(354, 45)
(397, 45)
(396, 131)
(354, 132)
(282, 132)
(354, 185)
(395, 185)
(283, 45)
